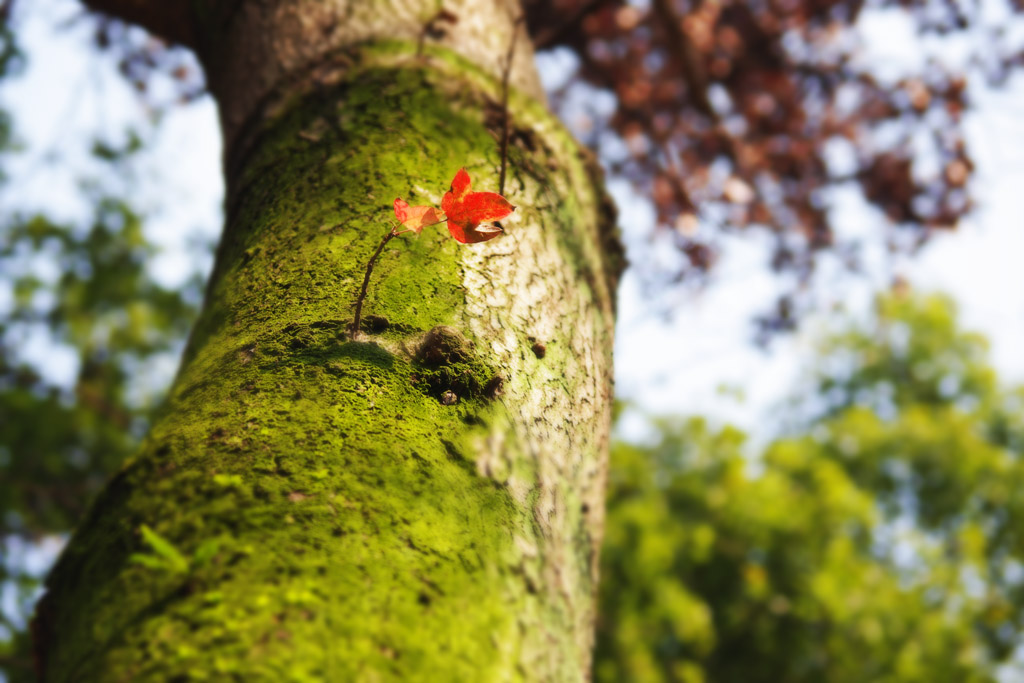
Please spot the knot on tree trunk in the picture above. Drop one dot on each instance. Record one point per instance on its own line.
(450, 370)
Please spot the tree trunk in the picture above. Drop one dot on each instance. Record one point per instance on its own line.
(423, 502)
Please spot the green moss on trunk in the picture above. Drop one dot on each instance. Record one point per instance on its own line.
(376, 509)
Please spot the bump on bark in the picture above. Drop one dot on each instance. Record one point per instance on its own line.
(449, 368)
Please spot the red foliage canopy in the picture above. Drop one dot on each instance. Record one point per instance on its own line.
(734, 110)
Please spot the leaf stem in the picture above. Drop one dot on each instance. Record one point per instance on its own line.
(366, 281)
(392, 234)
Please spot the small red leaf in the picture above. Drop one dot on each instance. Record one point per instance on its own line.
(416, 218)
(466, 210)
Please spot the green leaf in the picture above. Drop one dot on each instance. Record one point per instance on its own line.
(173, 559)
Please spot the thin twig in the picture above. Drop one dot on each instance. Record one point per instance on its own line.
(504, 101)
(366, 281)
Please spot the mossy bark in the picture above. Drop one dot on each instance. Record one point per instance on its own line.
(421, 504)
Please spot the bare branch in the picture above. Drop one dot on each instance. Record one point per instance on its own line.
(550, 35)
(688, 57)
(170, 19)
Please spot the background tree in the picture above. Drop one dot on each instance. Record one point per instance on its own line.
(83, 286)
(758, 113)
(880, 541)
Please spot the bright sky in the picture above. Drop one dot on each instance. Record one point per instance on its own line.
(664, 366)
(680, 366)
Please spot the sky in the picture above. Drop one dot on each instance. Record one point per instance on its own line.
(700, 360)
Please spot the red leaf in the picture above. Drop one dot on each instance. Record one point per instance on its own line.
(416, 218)
(466, 210)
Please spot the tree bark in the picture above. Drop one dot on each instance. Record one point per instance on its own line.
(424, 503)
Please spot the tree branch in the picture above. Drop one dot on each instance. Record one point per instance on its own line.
(169, 19)
(688, 57)
(550, 35)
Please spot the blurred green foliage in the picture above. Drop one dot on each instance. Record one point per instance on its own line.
(80, 296)
(58, 443)
(882, 541)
